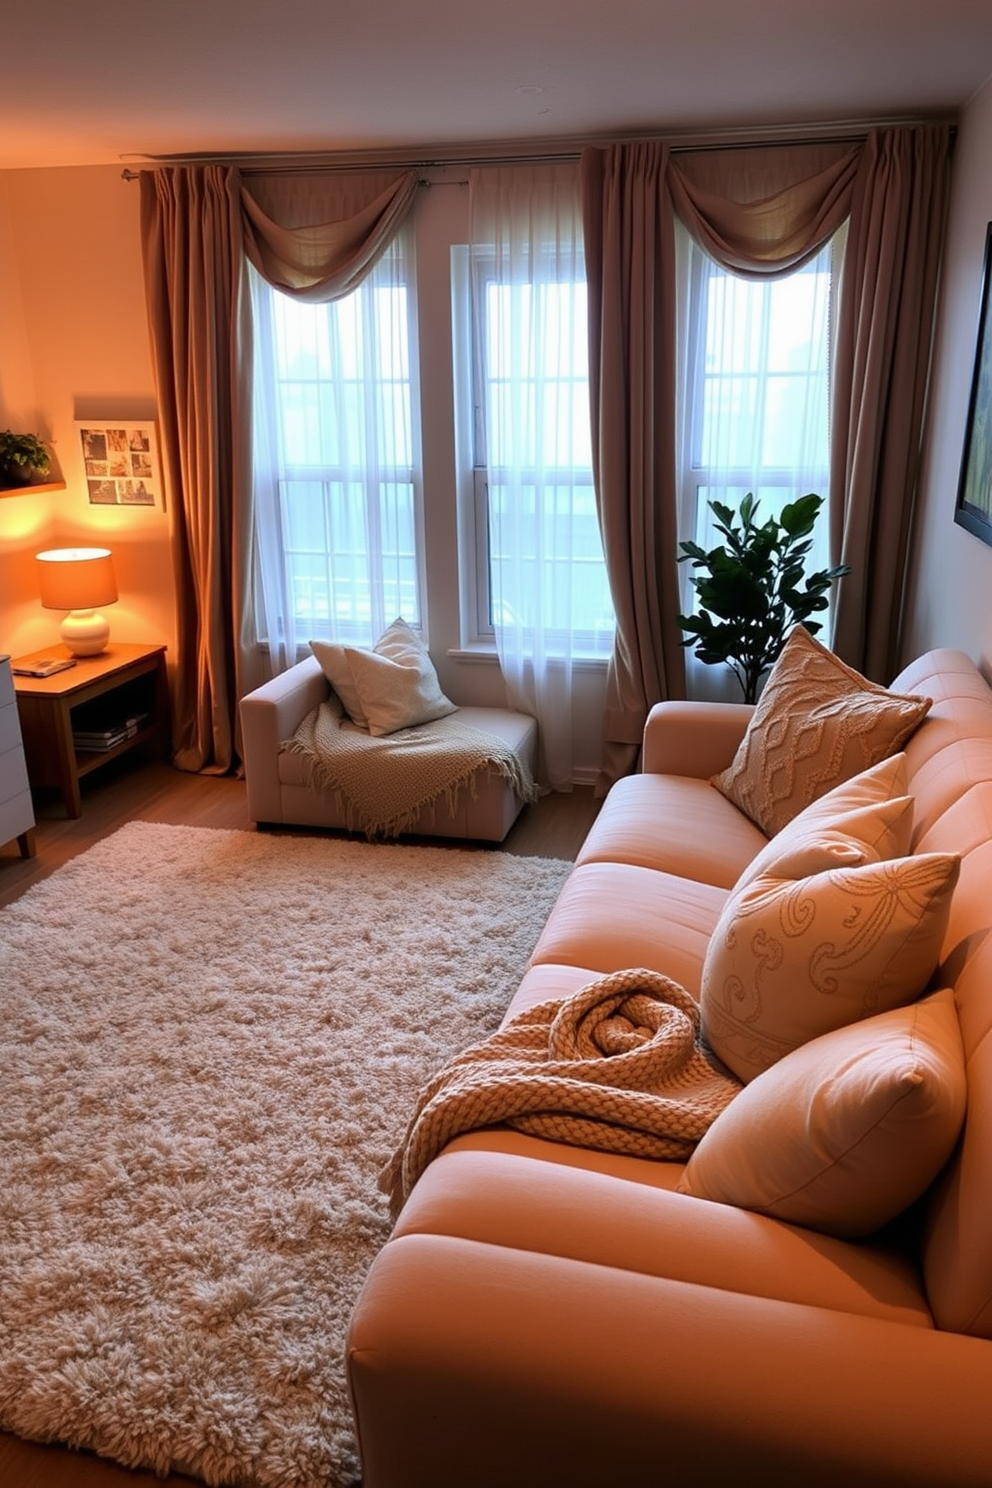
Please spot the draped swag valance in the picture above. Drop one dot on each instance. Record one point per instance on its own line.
(327, 260)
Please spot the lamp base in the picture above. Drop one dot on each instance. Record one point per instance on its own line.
(85, 632)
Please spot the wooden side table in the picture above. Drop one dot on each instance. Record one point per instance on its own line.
(16, 810)
(124, 682)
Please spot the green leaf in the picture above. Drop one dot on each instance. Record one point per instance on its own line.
(753, 587)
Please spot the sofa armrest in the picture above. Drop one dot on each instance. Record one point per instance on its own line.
(270, 715)
(693, 738)
(486, 1365)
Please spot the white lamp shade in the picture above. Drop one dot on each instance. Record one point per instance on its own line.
(77, 580)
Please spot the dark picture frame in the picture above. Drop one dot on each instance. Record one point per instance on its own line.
(974, 505)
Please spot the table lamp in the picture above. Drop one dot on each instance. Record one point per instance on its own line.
(77, 580)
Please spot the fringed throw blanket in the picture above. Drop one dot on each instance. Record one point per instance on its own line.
(387, 782)
(618, 1066)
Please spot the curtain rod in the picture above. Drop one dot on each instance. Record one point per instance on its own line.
(558, 152)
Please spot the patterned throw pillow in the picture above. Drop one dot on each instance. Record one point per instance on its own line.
(863, 820)
(393, 686)
(847, 1131)
(791, 959)
(817, 723)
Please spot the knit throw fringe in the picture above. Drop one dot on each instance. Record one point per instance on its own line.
(386, 783)
(618, 1066)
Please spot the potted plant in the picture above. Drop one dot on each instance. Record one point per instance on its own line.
(22, 458)
(752, 588)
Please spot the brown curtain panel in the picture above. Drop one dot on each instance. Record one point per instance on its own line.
(630, 269)
(314, 236)
(191, 235)
(884, 344)
(758, 212)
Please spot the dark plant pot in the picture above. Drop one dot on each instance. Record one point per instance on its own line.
(14, 477)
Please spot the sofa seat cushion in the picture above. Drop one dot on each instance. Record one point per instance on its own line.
(610, 916)
(547, 981)
(508, 1189)
(675, 823)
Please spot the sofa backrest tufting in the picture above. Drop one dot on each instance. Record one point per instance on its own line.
(949, 761)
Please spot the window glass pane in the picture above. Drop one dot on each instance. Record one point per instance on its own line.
(758, 400)
(544, 536)
(335, 415)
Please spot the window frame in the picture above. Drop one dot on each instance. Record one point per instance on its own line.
(478, 630)
(694, 520)
(337, 476)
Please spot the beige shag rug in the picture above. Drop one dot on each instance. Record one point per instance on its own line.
(210, 1044)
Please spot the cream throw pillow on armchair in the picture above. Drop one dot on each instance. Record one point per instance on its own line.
(393, 686)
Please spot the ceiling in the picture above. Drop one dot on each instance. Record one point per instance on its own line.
(115, 81)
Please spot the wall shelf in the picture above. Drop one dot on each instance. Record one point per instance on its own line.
(32, 490)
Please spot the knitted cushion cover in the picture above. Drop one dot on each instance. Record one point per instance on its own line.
(817, 723)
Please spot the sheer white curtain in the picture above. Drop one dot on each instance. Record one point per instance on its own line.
(755, 403)
(549, 591)
(336, 461)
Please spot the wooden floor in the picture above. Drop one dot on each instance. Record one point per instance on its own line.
(123, 792)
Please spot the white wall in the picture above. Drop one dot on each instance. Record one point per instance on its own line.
(950, 592)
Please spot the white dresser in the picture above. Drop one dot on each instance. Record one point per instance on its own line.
(16, 810)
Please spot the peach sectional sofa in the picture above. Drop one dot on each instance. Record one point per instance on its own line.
(552, 1314)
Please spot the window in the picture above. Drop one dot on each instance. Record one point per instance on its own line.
(540, 566)
(756, 398)
(337, 465)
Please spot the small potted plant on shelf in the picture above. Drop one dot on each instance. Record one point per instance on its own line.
(752, 588)
(23, 458)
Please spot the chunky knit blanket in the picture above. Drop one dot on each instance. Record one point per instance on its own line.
(387, 782)
(618, 1066)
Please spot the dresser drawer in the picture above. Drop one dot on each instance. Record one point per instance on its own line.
(16, 806)
(16, 817)
(13, 777)
(10, 726)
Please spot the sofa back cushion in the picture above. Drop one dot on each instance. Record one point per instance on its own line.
(952, 749)
(957, 1248)
(949, 764)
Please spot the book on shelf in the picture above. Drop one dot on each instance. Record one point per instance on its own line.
(97, 740)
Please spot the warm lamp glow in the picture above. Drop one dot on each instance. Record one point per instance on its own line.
(79, 579)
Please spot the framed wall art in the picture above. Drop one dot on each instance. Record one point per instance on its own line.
(974, 508)
(120, 459)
